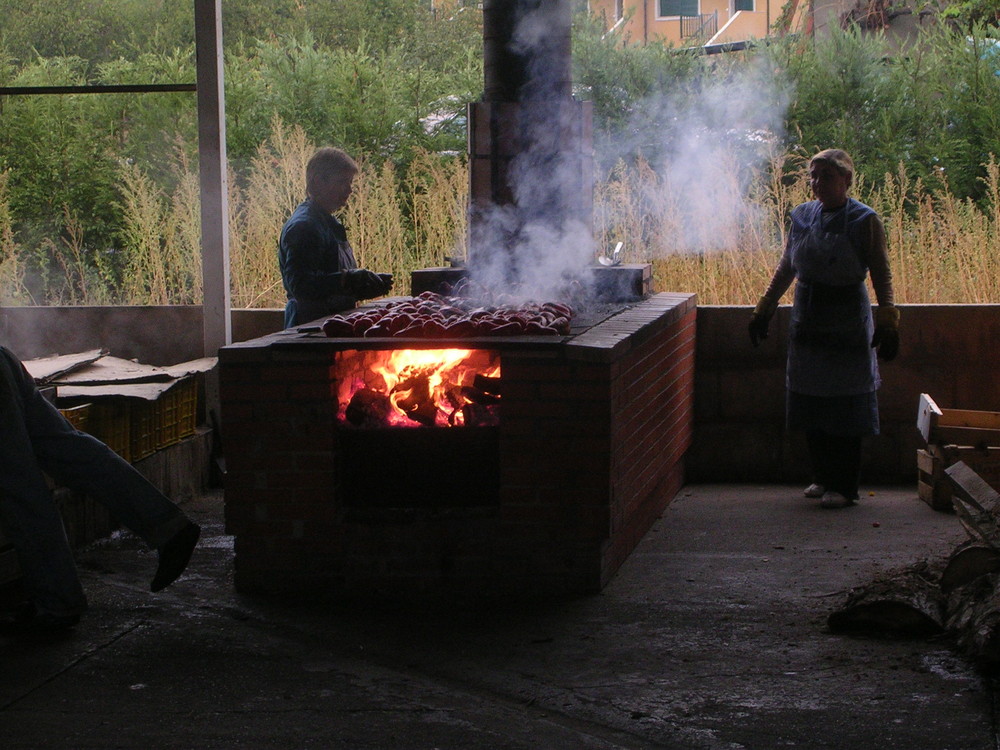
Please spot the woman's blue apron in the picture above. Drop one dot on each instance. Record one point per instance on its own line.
(829, 348)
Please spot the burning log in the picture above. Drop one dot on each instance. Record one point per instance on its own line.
(418, 387)
(476, 396)
(487, 384)
(480, 415)
(416, 400)
(368, 408)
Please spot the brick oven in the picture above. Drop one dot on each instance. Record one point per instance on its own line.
(586, 451)
(341, 481)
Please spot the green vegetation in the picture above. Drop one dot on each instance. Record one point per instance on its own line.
(98, 193)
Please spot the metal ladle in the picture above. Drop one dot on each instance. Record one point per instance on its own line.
(616, 256)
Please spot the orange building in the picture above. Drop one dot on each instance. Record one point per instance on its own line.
(696, 23)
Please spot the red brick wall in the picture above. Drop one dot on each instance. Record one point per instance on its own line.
(278, 412)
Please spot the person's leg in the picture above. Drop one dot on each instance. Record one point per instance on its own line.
(84, 463)
(88, 465)
(818, 443)
(845, 463)
(28, 512)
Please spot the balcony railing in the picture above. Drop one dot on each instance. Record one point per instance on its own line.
(703, 26)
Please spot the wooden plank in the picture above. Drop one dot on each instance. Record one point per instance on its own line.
(975, 503)
(927, 416)
(925, 491)
(144, 391)
(965, 436)
(925, 462)
(987, 420)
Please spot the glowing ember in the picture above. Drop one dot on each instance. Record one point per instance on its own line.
(413, 387)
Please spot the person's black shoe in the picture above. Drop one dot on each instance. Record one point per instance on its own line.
(174, 556)
(28, 621)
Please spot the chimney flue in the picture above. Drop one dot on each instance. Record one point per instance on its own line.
(527, 50)
(530, 142)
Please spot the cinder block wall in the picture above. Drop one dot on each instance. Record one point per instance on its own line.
(948, 351)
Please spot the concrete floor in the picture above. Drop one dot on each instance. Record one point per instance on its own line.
(712, 635)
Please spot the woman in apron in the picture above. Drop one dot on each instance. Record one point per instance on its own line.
(832, 376)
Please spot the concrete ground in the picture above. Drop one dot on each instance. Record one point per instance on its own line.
(712, 635)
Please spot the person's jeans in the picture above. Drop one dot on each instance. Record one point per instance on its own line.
(35, 440)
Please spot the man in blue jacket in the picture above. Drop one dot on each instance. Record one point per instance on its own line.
(318, 268)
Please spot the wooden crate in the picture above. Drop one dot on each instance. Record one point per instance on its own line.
(957, 426)
(954, 435)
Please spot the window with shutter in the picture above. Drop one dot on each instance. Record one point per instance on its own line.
(668, 8)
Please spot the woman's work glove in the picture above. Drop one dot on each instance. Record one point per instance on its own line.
(761, 319)
(365, 284)
(886, 336)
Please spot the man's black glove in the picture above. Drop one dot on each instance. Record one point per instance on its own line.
(886, 336)
(365, 284)
(761, 319)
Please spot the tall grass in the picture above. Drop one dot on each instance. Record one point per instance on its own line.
(942, 249)
(12, 290)
(161, 237)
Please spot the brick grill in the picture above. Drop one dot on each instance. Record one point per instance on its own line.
(590, 450)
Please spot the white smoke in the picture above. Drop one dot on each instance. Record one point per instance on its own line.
(544, 243)
(706, 147)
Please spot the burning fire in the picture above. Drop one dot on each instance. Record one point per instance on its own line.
(412, 387)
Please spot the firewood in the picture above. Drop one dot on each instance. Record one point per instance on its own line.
(976, 503)
(417, 403)
(368, 408)
(905, 603)
(969, 561)
(478, 396)
(487, 384)
(974, 617)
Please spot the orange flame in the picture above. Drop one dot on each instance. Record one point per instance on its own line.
(424, 386)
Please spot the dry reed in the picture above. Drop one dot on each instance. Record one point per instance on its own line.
(274, 185)
(941, 247)
(162, 238)
(12, 289)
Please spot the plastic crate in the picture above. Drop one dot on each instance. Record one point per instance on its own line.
(78, 416)
(142, 429)
(176, 413)
(110, 422)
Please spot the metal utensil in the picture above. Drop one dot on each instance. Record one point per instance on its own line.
(616, 256)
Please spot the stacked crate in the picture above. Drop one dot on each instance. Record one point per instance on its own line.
(950, 436)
